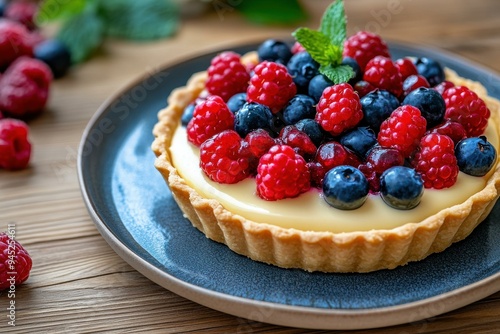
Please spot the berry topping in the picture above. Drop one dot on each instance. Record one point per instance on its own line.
(271, 85)
(363, 46)
(312, 129)
(466, 108)
(259, 142)
(431, 70)
(405, 67)
(297, 139)
(413, 82)
(302, 68)
(363, 88)
(14, 269)
(339, 109)
(452, 129)
(358, 74)
(236, 101)
(403, 130)
(359, 141)
(317, 85)
(298, 108)
(333, 154)
(55, 54)
(22, 12)
(377, 106)
(345, 188)
(13, 42)
(401, 187)
(253, 116)
(275, 51)
(429, 102)
(436, 162)
(440, 88)
(282, 173)
(378, 160)
(297, 47)
(15, 148)
(187, 114)
(227, 75)
(382, 73)
(209, 118)
(475, 156)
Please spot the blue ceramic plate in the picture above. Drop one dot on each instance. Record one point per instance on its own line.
(135, 212)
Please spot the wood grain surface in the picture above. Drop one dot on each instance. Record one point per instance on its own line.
(78, 284)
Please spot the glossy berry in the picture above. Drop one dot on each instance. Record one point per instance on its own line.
(431, 70)
(382, 73)
(312, 129)
(3, 4)
(55, 54)
(298, 140)
(360, 141)
(378, 160)
(236, 101)
(317, 85)
(440, 88)
(406, 67)
(358, 74)
(345, 188)
(338, 109)
(377, 106)
(271, 85)
(363, 88)
(297, 47)
(333, 154)
(227, 75)
(187, 114)
(253, 116)
(430, 103)
(14, 42)
(475, 156)
(450, 128)
(275, 51)
(259, 142)
(413, 82)
(224, 158)
(363, 46)
(401, 187)
(209, 118)
(15, 148)
(282, 173)
(15, 262)
(465, 107)
(22, 12)
(436, 162)
(299, 107)
(302, 68)
(403, 130)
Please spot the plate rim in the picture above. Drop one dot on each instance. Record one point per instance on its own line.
(283, 315)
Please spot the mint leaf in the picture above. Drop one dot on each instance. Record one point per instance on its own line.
(51, 10)
(140, 20)
(337, 74)
(333, 23)
(271, 12)
(319, 46)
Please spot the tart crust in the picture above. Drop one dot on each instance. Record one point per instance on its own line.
(362, 251)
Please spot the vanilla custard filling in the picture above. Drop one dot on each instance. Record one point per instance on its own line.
(309, 211)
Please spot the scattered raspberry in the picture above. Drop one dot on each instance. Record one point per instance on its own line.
(259, 142)
(440, 88)
(297, 47)
(13, 259)
(403, 129)
(338, 109)
(363, 88)
(14, 42)
(22, 12)
(15, 149)
(271, 85)
(225, 158)
(209, 118)
(436, 161)
(382, 73)
(333, 154)
(24, 88)
(452, 129)
(298, 140)
(406, 67)
(282, 173)
(227, 75)
(466, 108)
(413, 82)
(363, 46)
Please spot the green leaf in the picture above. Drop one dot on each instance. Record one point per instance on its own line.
(140, 20)
(337, 74)
(273, 12)
(51, 10)
(333, 23)
(318, 45)
(82, 34)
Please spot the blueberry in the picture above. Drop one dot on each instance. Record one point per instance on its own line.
(187, 114)
(359, 140)
(430, 103)
(431, 70)
(299, 107)
(401, 187)
(274, 50)
(3, 5)
(377, 107)
(311, 128)
(317, 85)
(345, 187)
(253, 116)
(236, 101)
(55, 54)
(475, 156)
(302, 68)
(358, 74)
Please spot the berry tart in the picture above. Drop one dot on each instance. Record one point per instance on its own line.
(328, 155)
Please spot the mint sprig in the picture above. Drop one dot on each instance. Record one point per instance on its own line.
(326, 44)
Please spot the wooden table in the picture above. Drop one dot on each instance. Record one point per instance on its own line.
(78, 283)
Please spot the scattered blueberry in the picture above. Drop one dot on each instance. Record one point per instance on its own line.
(377, 106)
(236, 101)
(274, 50)
(359, 140)
(311, 128)
(302, 68)
(187, 114)
(431, 70)
(317, 85)
(430, 103)
(55, 54)
(299, 107)
(253, 116)
(345, 188)
(401, 187)
(358, 74)
(475, 156)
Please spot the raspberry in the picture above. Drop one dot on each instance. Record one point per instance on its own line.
(363, 46)
(225, 157)
(297, 139)
(14, 42)
(466, 108)
(282, 173)
(436, 162)
(382, 73)
(297, 47)
(24, 88)
(259, 142)
(403, 129)
(209, 118)
(406, 67)
(15, 262)
(339, 109)
(22, 12)
(15, 149)
(271, 85)
(227, 75)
